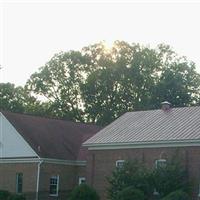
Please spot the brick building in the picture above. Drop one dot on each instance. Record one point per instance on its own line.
(42, 158)
(45, 159)
(152, 137)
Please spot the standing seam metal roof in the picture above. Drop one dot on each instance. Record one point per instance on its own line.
(151, 126)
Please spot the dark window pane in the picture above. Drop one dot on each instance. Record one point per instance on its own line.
(53, 189)
(19, 183)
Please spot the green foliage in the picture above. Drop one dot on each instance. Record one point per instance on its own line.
(11, 97)
(98, 84)
(130, 193)
(84, 192)
(170, 178)
(133, 77)
(133, 174)
(59, 83)
(177, 195)
(4, 195)
(164, 179)
(17, 99)
(17, 197)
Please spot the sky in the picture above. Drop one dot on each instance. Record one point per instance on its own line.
(32, 31)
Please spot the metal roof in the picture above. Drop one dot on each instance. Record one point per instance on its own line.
(153, 126)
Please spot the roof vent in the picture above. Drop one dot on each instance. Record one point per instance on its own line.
(165, 106)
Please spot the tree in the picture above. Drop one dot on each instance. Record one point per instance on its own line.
(11, 97)
(163, 180)
(84, 192)
(132, 174)
(17, 99)
(98, 84)
(171, 177)
(177, 195)
(130, 193)
(133, 77)
(58, 81)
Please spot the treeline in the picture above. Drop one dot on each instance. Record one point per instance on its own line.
(98, 84)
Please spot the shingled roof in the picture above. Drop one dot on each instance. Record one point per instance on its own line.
(150, 127)
(52, 138)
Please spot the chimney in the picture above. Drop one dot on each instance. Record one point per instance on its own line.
(165, 106)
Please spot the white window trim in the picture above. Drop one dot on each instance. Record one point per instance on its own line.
(81, 179)
(160, 160)
(119, 161)
(57, 189)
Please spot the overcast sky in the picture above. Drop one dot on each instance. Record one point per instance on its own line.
(31, 32)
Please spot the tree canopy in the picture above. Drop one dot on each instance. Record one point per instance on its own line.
(98, 84)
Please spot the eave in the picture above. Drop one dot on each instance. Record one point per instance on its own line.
(144, 144)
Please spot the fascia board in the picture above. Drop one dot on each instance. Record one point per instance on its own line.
(135, 145)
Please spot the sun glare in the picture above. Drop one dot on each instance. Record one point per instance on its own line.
(108, 45)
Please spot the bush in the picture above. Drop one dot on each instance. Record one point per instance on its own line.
(177, 195)
(17, 197)
(163, 180)
(134, 174)
(84, 192)
(130, 193)
(171, 178)
(4, 195)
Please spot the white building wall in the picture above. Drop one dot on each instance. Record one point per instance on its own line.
(12, 144)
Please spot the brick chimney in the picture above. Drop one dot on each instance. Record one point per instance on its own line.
(165, 106)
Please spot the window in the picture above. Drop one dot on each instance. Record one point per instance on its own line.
(81, 180)
(54, 183)
(120, 163)
(19, 183)
(199, 191)
(161, 163)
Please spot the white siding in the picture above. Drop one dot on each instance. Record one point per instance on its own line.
(12, 144)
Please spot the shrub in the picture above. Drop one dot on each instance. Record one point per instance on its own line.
(170, 178)
(17, 197)
(130, 193)
(133, 174)
(163, 180)
(84, 192)
(4, 195)
(177, 195)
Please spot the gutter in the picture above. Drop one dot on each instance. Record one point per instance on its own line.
(38, 179)
(145, 144)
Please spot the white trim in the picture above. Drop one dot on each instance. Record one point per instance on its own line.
(64, 162)
(19, 160)
(80, 179)
(160, 161)
(57, 186)
(119, 161)
(45, 160)
(136, 145)
(22, 139)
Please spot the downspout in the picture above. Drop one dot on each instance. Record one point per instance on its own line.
(38, 179)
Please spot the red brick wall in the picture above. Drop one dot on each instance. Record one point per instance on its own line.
(8, 177)
(102, 162)
(68, 179)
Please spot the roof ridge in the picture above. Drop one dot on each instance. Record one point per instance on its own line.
(50, 118)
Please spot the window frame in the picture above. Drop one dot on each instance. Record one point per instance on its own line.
(82, 178)
(57, 185)
(119, 161)
(18, 184)
(161, 161)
